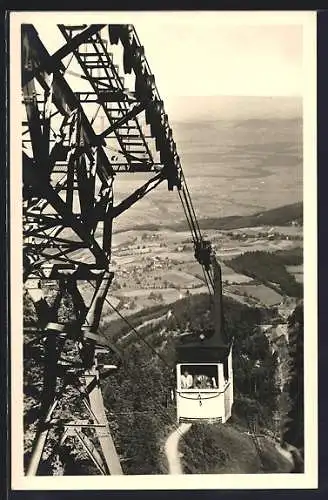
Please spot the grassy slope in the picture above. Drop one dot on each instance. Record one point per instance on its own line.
(233, 449)
(141, 417)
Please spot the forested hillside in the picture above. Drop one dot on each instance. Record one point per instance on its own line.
(138, 398)
(270, 268)
(140, 410)
(280, 216)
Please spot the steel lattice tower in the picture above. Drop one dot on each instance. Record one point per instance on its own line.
(76, 139)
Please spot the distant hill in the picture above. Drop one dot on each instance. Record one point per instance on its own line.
(280, 216)
(199, 108)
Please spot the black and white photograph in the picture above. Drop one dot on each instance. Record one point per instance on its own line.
(163, 250)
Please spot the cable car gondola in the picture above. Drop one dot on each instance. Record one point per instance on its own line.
(204, 375)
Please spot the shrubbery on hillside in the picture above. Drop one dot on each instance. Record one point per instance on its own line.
(137, 399)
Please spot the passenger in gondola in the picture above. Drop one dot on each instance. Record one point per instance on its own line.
(201, 381)
(214, 384)
(186, 380)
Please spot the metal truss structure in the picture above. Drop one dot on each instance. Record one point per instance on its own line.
(82, 127)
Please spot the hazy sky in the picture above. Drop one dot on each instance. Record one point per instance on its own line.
(224, 60)
(199, 54)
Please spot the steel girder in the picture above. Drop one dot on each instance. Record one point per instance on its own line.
(69, 165)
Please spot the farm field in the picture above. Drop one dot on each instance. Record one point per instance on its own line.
(297, 272)
(160, 268)
(262, 293)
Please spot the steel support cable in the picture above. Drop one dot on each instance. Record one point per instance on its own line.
(154, 352)
(134, 330)
(187, 217)
(197, 232)
(190, 201)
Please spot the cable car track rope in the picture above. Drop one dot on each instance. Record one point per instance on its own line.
(169, 160)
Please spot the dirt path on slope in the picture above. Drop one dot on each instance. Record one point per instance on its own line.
(172, 449)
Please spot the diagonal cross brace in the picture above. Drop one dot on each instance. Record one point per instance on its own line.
(32, 176)
(76, 41)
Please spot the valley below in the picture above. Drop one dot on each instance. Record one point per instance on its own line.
(159, 267)
(245, 179)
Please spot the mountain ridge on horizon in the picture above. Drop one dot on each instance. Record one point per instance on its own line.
(212, 108)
